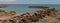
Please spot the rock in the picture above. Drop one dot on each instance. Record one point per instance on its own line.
(4, 14)
(57, 22)
(46, 15)
(8, 21)
(38, 7)
(12, 12)
(2, 10)
(1, 21)
(18, 19)
(32, 17)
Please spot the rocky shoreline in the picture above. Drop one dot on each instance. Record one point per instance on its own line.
(3, 6)
(48, 15)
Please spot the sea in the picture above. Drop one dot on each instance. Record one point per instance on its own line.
(24, 8)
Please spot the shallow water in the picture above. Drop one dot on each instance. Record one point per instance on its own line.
(20, 9)
(23, 8)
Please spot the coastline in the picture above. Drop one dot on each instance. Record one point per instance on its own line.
(48, 15)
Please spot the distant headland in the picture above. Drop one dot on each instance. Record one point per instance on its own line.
(38, 7)
(46, 15)
(3, 6)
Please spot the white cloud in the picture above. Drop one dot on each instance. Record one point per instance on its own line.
(6, 0)
(30, 2)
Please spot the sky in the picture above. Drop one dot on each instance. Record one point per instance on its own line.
(31, 2)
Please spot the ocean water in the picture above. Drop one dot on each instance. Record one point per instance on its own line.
(23, 8)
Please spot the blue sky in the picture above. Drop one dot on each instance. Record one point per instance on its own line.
(32, 2)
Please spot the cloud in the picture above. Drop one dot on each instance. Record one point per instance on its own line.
(31, 2)
(7, 0)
